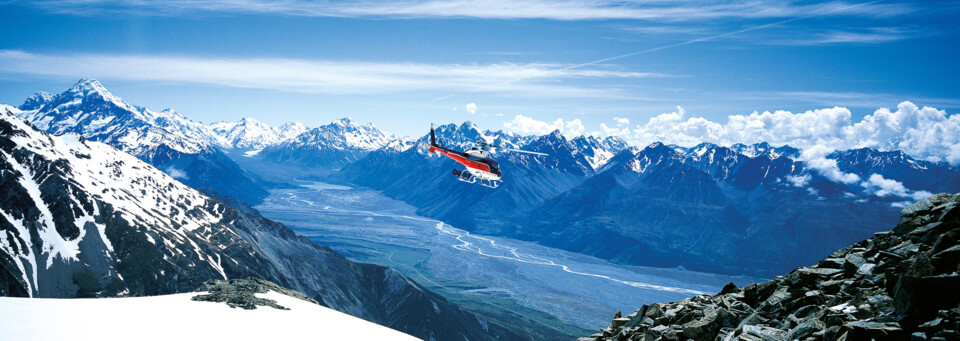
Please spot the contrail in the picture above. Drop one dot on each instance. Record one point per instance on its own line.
(754, 28)
(688, 42)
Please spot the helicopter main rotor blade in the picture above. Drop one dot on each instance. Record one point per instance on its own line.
(524, 151)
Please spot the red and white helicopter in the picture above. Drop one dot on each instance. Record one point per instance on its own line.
(481, 168)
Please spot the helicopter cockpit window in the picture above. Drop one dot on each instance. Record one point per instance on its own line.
(494, 166)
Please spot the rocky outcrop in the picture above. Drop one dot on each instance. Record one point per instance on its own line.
(242, 293)
(900, 285)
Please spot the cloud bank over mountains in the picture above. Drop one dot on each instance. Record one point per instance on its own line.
(923, 132)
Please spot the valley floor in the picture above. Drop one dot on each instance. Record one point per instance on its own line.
(500, 278)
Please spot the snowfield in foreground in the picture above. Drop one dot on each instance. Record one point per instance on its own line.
(176, 317)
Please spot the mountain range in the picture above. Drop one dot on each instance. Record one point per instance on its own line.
(201, 155)
(83, 219)
(744, 209)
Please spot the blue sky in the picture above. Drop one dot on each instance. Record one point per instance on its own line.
(403, 65)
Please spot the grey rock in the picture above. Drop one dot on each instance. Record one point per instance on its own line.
(805, 329)
(853, 263)
(242, 293)
(947, 260)
(765, 333)
(832, 263)
(729, 289)
(862, 330)
(619, 322)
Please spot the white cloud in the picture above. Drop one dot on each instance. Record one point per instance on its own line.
(684, 10)
(873, 35)
(177, 174)
(530, 126)
(799, 180)
(574, 128)
(621, 121)
(925, 133)
(499, 114)
(612, 131)
(901, 204)
(815, 158)
(318, 76)
(471, 108)
(880, 186)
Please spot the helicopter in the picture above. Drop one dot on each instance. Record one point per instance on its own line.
(481, 169)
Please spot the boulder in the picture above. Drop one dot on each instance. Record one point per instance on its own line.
(946, 261)
(765, 333)
(806, 328)
(852, 263)
(758, 292)
(619, 322)
(831, 263)
(918, 299)
(729, 289)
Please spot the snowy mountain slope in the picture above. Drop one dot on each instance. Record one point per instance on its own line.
(82, 219)
(133, 317)
(89, 109)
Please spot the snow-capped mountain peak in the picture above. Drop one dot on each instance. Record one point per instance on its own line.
(333, 145)
(248, 133)
(765, 149)
(290, 130)
(598, 151)
(92, 88)
(36, 101)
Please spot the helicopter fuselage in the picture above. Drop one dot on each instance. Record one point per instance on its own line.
(477, 162)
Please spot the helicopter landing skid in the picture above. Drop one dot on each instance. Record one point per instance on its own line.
(465, 176)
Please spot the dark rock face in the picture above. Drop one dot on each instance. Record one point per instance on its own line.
(885, 288)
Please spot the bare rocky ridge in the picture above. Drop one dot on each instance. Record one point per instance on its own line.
(242, 293)
(900, 285)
